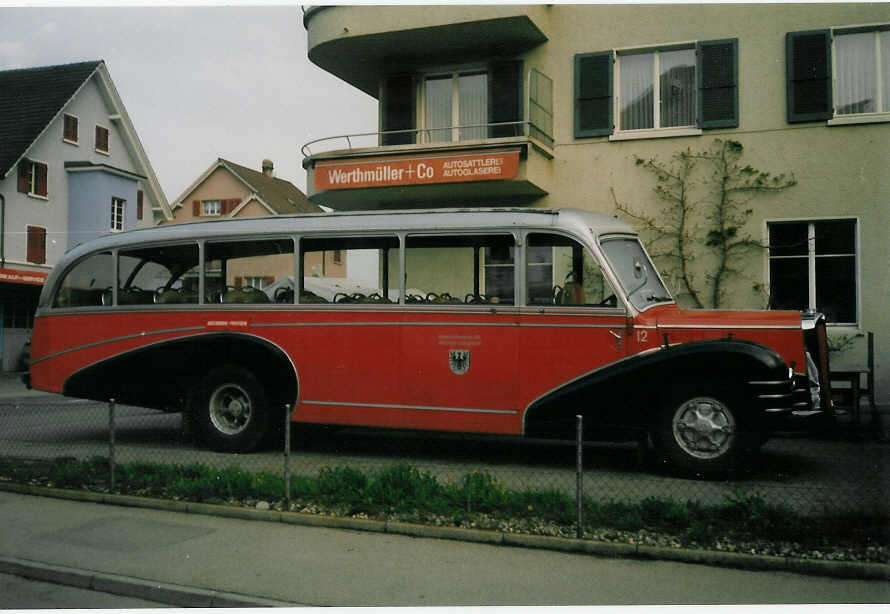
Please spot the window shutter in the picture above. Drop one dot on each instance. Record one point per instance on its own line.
(808, 73)
(239, 282)
(593, 94)
(718, 78)
(196, 208)
(228, 205)
(140, 196)
(24, 183)
(268, 281)
(397, 109)
(505, 98)
(41, 171)
(36, 245)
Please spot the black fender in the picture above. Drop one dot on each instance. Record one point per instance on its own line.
(627, 394)
(161, 375)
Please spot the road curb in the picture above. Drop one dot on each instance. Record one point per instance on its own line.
(750, 562)
(140, 588)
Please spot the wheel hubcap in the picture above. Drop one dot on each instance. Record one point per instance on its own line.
(230, 409)
(704, 427)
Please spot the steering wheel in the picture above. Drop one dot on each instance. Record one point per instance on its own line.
(341, 297)
(609, 301)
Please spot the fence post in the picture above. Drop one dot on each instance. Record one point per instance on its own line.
(111, 427)
(579, 473)
(287, 456)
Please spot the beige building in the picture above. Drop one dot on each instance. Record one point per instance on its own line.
(553, 105)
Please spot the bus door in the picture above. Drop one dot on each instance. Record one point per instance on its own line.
(459, 365)
(573, 322)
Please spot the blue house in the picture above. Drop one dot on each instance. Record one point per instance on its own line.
(71, 168)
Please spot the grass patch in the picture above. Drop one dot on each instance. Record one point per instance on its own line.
(476, 498)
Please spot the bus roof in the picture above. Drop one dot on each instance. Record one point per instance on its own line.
(426, 220)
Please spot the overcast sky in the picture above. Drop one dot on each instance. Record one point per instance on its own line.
(199, 83)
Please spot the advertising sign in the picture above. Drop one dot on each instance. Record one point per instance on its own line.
(420, 169)
(22, 277)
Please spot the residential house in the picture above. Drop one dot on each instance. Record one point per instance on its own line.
(71, 168)
(552, 106)
(229, 190)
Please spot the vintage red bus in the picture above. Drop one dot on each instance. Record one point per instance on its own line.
(502, 321)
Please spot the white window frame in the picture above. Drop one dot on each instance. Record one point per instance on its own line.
(657, 131)
(77, 119)
(260, 279)
(858, 118)
(32, 179)
(209, 210)
(811, 261)
(118, 213)
(454, 72)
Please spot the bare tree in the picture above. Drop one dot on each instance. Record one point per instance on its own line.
(705, 196)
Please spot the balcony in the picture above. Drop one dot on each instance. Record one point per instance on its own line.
(354, 172)
(361, 44)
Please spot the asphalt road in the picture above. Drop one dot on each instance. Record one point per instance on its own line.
(20, 593)
(804, 473)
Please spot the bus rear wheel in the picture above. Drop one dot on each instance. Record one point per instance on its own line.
(230, 410)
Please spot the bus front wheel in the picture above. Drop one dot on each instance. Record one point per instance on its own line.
(230, 410)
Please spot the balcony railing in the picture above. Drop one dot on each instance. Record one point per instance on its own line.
(425, 136)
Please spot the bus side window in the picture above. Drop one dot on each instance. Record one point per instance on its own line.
(158, 275)
(361, 270)
(464, 269)
(87, 283)
(561, 272)
(249, 271)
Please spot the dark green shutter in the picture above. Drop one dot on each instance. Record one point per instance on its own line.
(397, 109)
(808, 72)
(718, 78)
(593, 94)
(505, 98)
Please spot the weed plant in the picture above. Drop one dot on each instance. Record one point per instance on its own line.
(402, 491)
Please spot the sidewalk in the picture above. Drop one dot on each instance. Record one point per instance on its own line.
(193, 559)
(11, 386)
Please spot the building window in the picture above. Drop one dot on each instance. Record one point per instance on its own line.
(863, 72)
(118, 211)
(32, 178)
(101, 139)
(486, 101)
(455, 107)
(540, 106)
(839, 74)
(337, 256)
(656, 89)
(69, 129)
(211, 207)
(36, 245)
(666, 88)
(812, 265)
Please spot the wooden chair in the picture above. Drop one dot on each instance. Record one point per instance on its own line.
(854, 378)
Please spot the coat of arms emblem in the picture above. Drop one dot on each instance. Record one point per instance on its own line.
(459, 361)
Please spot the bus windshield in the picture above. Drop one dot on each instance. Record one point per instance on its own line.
(635, 272)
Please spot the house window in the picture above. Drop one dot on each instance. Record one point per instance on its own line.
(101, 139)
(36, 245)
(862, 61)
(540, 106)
(840, 74)
(140, 200)
(656, 89)
(211, 207)
(32, 178)
(69, 129)
(455, 107)
(662, 91)
(118, 210)
(812, 265)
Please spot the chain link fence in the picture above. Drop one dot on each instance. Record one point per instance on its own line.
(841, 471)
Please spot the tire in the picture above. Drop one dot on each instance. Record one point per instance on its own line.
(701, 432)
(230, 410)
